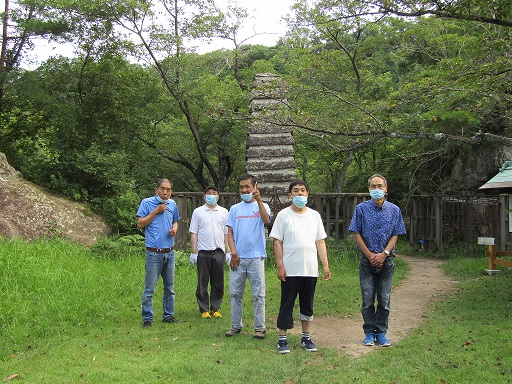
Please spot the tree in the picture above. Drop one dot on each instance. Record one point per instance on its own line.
(73, 126)
(496, 12)
(22, 21)
(164, 33)
(432, 79)
(330, 89)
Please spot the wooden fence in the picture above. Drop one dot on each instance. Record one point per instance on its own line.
(430, 220)
(438, 220)
(336, 210)
(493, 258)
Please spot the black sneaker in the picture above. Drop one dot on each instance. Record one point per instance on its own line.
(282, 347)
(171, 319)
(147, 324)
(308, 345)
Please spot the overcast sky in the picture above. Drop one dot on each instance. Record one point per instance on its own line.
(265, 17)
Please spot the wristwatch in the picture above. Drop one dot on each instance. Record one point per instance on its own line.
(386, 252)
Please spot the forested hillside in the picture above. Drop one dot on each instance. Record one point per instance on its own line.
(417, 91)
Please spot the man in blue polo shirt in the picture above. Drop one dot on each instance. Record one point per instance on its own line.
(159, 217)
(376, 225)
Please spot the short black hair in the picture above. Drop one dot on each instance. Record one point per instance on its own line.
(297, 182)
(247, 176)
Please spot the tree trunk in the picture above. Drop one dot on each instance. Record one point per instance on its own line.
(3, 52)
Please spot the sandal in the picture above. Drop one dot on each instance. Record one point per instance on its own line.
(232, 331)
(260, 333)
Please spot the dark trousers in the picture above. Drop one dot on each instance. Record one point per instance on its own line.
(305, 288)
(210, 269)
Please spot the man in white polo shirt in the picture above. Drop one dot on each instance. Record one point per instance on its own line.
(208, 237)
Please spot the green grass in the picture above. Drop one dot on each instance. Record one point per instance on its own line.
(72, 315)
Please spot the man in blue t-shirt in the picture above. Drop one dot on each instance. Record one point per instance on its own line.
(246, 239)
(159, 217)
(376, 225)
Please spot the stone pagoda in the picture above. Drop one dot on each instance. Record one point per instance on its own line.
(270, 155)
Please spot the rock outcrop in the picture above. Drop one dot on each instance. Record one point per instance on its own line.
(29, 212)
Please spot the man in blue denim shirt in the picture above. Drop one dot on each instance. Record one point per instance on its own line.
(376, 225)
(159, 217)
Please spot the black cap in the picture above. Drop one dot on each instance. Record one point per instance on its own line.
(211, 187)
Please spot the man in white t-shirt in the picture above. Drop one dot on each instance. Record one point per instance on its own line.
(208, 236)
(298, 234)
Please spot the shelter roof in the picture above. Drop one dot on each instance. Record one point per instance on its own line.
(503, 180)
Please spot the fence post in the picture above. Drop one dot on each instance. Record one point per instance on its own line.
(412, 223)
(328, 216)
(439, 221)
(181, 236)
(491, 257)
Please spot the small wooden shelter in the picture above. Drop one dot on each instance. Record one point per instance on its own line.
(502, 182)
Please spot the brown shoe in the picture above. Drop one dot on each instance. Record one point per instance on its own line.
(232, 331)
(260, 333)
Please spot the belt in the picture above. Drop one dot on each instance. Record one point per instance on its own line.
(159, 250)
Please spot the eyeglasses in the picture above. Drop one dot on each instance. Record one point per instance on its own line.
(377, 186)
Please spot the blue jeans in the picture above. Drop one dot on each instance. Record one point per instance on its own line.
(163, 264)
(254, 271)
(376, 283)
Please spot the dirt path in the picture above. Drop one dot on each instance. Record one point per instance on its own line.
(425, 281)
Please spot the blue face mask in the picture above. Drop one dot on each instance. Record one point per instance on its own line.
(377, 194)
(161, 200)
(211, 199)
(300, 201)
(247, 197)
